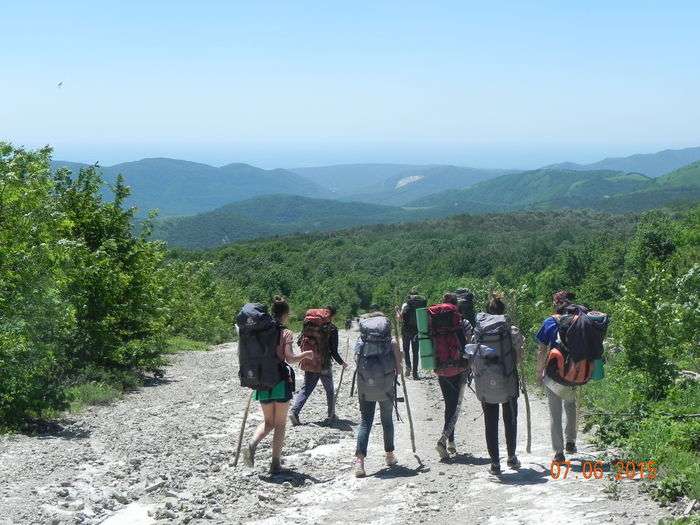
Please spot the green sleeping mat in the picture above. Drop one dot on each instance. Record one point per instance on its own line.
(425, 343)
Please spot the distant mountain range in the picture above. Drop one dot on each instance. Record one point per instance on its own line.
(546, 188)
(202, 206)
(650, 164)
(179, 187)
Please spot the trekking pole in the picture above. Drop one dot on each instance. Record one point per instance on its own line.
(523, 387)
(405, 392)
(240, 435)
(342, 371)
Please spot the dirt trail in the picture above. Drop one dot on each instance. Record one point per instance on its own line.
(164, 455)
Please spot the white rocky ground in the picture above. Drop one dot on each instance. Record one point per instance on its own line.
(164, 455)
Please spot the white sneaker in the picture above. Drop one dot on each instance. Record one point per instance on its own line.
(451, 447)
(442, 450)
(391, 459)
(249, 455)
(359, 468)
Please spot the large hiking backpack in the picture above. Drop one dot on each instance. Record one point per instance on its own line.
(465, 305)
(580, 336)
(376, 364)
(259, 335)
(315, 336)
(408, 318)
(494, 360)
(444, 323)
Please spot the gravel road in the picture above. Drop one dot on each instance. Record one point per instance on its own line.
(164, 454)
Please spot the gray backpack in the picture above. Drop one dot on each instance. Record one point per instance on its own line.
(376, 365)
(493, 359)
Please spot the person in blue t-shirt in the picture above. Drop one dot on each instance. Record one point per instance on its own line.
(548, 338)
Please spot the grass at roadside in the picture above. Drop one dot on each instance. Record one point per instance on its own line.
(93, 393)
(184, 344)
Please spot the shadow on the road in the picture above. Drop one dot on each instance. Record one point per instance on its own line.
(149, 381)
(297, 479)
(397, 471)
(466, 459)
(344, 425)
(53, 430)
(524, 476)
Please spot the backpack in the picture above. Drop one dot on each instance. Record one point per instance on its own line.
(494, 360)
(259, 335)
(465, 305)
(315, 336)
(582, 332)
(444, 323)
(580, 335)
(376, 364)
(408, 317)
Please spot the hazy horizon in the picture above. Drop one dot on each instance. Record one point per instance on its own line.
(267, 156)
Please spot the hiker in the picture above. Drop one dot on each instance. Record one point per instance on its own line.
(321, 336)
(496, 350)
(447, 334)
(548, 339)
(409, 330)
(275, 401)
(570, 343)
(378, 359)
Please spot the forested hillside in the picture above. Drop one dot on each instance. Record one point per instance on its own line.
(269, 216)
(86, 306)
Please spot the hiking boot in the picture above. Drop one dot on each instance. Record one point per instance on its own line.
(495, 469)
(570, 447)
(391, 459)
(442, 450)
(275, 466)
(560, 457)
(513, 462)
(415, 376)
(249, 455)
(408, 371)
(451, 447)
(359, 468)
(294, 419)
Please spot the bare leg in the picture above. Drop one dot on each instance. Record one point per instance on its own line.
(267, 425)
(280, 426)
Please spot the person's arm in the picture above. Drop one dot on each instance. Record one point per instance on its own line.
(542, 351)
(289, 354)
(333, 347)
(398, 355)
(518, 343)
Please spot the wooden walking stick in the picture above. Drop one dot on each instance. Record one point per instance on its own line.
(405, 392)
(240, 435)
(523, 387)
(342, 371)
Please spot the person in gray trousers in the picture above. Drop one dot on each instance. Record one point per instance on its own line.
(557, 395)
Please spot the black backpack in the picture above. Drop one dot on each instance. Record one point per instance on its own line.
(413, 302)
(465, 305)
(582, 332)
(259, 335)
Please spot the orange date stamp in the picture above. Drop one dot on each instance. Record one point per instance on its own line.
(617, 470)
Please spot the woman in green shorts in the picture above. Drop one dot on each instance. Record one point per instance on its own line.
(275, 402)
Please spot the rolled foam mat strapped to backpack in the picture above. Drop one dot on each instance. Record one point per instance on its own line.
(425, 343)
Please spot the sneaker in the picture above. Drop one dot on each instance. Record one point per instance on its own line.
(249, 455)
(571, 448)
(275, 466)
(441, 450)
(415, 377)
(495, 469)
(560, 457)
(294, 419)
(513, 462)
(391, 459)
(359, 468)
(451, 447)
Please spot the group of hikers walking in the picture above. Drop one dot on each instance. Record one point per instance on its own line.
(462, 347)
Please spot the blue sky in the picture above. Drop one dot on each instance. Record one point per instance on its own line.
(511, 84)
